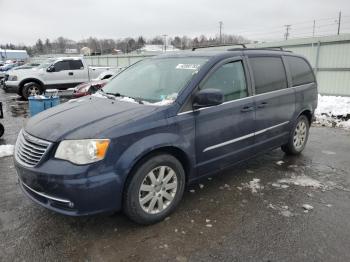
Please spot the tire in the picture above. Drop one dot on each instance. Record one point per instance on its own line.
(159, 199)
(298, 137)
(2, 130)
(31, 89)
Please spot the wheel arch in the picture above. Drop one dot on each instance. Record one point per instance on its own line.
(29, 80)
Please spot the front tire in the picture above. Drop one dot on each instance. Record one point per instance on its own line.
(298, 137)
(154, 189)
(31, 89)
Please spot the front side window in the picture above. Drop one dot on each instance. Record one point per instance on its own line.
(269, 74)
(230, 79)
(62, 65)
(157, 80)
(300, 71)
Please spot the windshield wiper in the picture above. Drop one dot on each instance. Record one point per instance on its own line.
(138, 100)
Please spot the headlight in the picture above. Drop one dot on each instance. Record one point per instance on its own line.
(82, 151)
(12, 78)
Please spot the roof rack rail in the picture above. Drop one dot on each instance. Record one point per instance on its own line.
(261, 48)
(199, 47)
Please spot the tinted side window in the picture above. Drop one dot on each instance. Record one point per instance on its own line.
(230, 79)
(269, 74)
(76, 64)
(62, 65)
(300, 71)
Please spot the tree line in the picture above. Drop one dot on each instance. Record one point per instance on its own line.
(125, 45)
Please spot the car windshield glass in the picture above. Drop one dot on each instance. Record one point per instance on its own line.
(46, 63)
(156, 80)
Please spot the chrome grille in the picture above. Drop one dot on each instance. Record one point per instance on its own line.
(30, 150)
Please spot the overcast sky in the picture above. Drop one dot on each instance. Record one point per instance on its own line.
(24, 21)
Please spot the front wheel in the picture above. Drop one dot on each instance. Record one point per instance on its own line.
(298, 137)
(31, 89)
(154, 189)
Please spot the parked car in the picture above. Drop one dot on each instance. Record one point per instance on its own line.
(161, 124)
(6, 75)
(93, 86)
(5, 68)
(55, 73)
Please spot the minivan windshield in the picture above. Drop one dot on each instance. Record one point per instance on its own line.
(155, 80)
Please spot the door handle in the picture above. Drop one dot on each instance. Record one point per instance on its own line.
(262, 105)
(247, 108)
(70, 73)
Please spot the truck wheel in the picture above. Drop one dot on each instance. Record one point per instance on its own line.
(298, 137)
(154, 190)
(31, 89)
(2, 130)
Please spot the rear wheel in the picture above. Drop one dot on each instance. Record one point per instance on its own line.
(298, 137)
(154, 190)
(31, 89)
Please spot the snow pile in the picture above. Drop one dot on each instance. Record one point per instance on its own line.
(253, 185)
(333, 111)
(6, 150)
(302, 180)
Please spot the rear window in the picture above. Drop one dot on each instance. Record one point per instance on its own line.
(300, 71)
(76, 64)
(269, 74)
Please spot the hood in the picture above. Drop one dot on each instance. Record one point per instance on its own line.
(85, 118)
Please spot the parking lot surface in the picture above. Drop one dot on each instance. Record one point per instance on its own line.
(270, 208)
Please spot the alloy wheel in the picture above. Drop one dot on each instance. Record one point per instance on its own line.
(158, 189)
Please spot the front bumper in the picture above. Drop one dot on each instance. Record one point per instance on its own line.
(11, 86)
(69, 189)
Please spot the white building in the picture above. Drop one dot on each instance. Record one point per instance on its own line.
(6, 54)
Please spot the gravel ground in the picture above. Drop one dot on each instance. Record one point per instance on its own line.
(253, 212)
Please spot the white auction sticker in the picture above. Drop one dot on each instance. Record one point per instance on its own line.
(188, 66)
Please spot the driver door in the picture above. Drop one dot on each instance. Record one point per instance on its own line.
(225, 133)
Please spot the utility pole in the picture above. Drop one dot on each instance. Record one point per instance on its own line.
(220, 31)
(286, 35)
(165, 42)
(339, 22)
(313, 28)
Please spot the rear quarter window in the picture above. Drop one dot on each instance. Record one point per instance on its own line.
(300, 71)
(269, 74)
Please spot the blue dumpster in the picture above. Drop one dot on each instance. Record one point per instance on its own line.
(38, 104)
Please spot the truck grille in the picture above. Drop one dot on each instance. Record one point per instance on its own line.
(30, 150)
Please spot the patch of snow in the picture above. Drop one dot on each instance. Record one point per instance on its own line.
(250, 171)
(307, 207)
(280, 162)
(286, 213)
(253, 185)
(207, 220)
(209, 225)
(328, 152)
(333, 111)
(329, 205)
(192, 190)
(302, 180)
(201, 186)
(6, 150)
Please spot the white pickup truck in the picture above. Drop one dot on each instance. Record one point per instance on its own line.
(58, 73)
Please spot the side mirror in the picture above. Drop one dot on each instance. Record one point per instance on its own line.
(50, 69)
(208, 97)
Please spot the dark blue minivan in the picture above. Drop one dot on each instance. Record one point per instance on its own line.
(162, 123)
